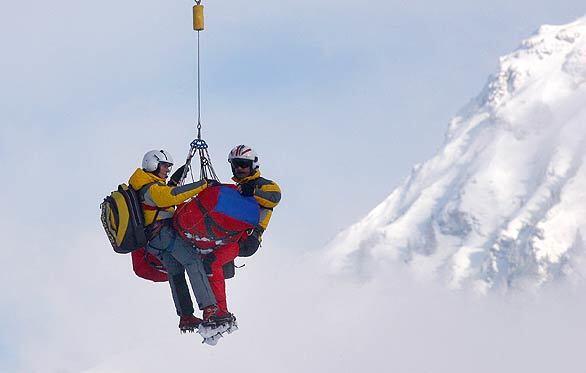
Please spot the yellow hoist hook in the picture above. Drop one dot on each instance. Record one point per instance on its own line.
(198, 16)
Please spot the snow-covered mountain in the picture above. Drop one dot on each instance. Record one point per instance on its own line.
(503, 203)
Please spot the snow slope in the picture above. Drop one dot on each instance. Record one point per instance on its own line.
(503, 204)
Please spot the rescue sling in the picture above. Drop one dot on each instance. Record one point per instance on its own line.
(217, 216)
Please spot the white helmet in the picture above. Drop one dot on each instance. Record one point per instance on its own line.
(150, 161)
(244, 152)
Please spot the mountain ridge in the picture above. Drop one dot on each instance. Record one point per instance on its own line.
(496, 206)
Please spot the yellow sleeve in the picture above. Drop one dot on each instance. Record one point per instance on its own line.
(166, 196)
(268, 195)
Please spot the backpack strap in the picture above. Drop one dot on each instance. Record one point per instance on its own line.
(142, 191)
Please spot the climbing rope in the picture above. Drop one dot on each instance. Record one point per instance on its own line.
(198, 25)
(198, 92)
(199, 146)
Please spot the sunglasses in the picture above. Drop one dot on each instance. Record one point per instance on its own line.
(241, 163)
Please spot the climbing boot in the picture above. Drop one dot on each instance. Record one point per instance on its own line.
(188, 323)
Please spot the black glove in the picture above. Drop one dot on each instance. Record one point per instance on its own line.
(229, 270)
(247, 189)
(176, 177)
(213, 183)
(248, 246)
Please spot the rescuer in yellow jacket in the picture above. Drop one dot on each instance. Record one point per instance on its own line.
(220, 263)
(245, 168)
(177, 255)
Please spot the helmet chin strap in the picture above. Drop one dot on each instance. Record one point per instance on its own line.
(157, 172)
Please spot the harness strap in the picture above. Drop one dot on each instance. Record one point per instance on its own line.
(210, 223)
(152, 208)
(149, 207)
(155, 227)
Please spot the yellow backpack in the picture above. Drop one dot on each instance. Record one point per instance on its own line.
(123, 220)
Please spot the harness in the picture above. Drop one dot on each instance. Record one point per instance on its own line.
(155, 227)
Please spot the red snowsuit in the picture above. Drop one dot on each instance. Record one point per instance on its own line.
(221, 256)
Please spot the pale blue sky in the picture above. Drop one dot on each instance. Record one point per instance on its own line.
(340, 99)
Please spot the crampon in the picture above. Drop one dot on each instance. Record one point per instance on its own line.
(188, 323)
(215, 328)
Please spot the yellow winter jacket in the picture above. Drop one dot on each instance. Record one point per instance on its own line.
(160, 196)
(267, 193)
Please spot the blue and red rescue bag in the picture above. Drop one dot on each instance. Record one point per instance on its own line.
(217, 216)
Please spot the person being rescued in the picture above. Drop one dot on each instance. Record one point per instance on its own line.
(177, 255)
(245, 168)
